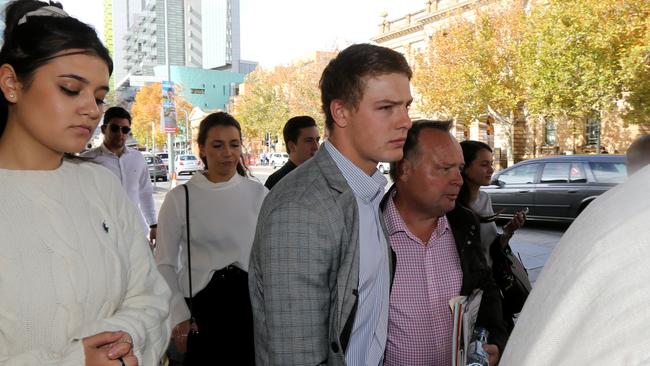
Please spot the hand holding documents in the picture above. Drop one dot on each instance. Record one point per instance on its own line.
(465, 310)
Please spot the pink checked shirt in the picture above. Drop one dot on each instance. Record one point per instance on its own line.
(426, 277)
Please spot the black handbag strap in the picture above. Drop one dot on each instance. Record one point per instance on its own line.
(189, 257)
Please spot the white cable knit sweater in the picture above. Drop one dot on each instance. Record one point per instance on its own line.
(73, 263)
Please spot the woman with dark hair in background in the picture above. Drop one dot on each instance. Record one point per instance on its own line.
(223, 208)
(79, 285)
(477, 172)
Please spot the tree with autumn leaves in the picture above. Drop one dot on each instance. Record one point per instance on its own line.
(472, 68)
(564, 58)
(586, 56)
(146, 109)
(270, 97)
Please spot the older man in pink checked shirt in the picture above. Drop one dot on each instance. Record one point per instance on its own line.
(437, 253)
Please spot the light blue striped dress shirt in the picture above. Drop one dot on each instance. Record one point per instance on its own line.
(368, 337)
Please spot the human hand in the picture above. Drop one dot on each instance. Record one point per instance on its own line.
(109, 348)
(180, 332)
(518, 220)
(493, 353)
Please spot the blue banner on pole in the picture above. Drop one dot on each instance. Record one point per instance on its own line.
(168, 110)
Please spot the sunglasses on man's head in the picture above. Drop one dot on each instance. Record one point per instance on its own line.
(115, 128)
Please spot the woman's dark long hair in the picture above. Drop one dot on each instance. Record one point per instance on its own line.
(221, 119)
(471, 149)
(31, 41)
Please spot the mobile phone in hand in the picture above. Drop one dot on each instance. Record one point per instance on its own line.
(524, 211)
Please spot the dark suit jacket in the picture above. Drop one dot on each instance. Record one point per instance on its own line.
(274, 178)
(304, 267)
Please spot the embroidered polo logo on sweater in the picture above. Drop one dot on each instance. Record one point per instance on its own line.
(105, 226)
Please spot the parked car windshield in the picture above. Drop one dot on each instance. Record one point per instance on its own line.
(609, 172)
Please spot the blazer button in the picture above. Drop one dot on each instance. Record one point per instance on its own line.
(335, 347)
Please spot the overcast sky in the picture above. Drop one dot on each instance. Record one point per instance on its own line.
(276, 31)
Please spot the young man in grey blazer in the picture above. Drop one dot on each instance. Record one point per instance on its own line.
(319, 274)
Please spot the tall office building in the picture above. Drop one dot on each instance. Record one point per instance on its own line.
(212, 34)
(203, 34)
(119, 17)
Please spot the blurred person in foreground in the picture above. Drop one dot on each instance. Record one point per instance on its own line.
(301, 139)
(589, 305)
(79, 285)
(437, 248)
(319, 273)
(638, 154)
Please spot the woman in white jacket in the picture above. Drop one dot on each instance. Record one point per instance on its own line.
(79, 285)
(223, 206)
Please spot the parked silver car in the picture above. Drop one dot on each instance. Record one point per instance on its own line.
(187, 164)
(555, 188)
(278, 159)
(157, 169)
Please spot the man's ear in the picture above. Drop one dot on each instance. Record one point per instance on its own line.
(291, 146)
(9, 84)
(103, 129)
(339, 112)
(404, 168)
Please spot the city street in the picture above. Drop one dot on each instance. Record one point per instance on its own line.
(533, 243)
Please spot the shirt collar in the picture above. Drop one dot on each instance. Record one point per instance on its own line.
(106, 151)
(395, 223)
(365, 187)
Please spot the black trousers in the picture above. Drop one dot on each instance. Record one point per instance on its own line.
(223, 314)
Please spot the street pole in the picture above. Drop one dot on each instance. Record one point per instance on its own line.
(170, 138)
(153, 150)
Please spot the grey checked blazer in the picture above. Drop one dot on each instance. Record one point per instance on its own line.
(304, 268)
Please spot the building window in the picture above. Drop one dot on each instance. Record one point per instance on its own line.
(550, 132)
(593, 128)
(198, 91)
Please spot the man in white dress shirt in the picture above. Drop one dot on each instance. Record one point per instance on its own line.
(127, 164)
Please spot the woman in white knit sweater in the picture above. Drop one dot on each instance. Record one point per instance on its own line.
(78, 284)
(223, 208)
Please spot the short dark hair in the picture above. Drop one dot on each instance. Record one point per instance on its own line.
(411, 143)
(116, 112)
(343, 77)
(292, 128)
(221, 119)
(31, 41)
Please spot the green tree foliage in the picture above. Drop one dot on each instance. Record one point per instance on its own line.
(586, 55)
(472, 65)
(271, 97)
(263, 104)
(146, 109)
